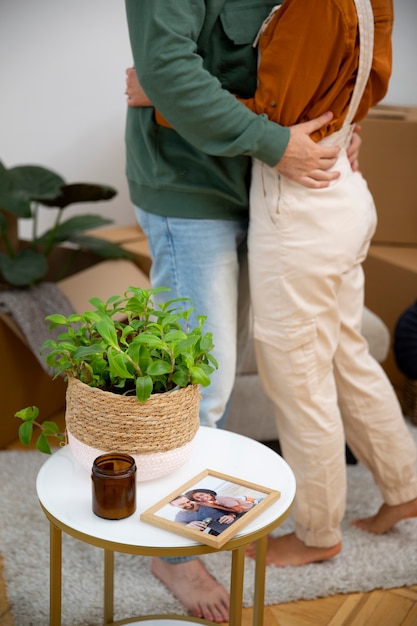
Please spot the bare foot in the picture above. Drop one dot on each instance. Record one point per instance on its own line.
(194, 587)
(289, 550)
(387, 517)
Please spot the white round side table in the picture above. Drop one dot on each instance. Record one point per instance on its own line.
(64, 491)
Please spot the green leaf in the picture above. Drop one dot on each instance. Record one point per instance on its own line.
(206, 342)
(12, 202)
(198, 376)
(36, 183)
(134, 351)
(57, 319)
(85, 351)
(175, 335)
(26, 432)
(106, 249)
(50, 428)
(27, 268)
(80, 192)
(157, 368)
(6, 181)
(181, 377)
(140, 355)
(72, 226)
(88, 317)
(144, 387)
(213, 361)
(117, 363)
(187, 343)
(97, 303)
(168, 320)
(43, 445)
(105, 328)
(29, 413)
(151, 341)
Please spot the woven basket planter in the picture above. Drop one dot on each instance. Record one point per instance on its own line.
(158, 433)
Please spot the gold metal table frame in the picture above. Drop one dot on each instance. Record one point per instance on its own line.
(61, 471)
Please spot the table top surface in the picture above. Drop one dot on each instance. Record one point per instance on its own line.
(64, 489)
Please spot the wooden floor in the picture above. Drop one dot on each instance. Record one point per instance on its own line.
(396, 607)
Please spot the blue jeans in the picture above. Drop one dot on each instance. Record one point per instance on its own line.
(205, 260)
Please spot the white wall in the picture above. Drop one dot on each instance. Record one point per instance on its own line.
(403, 84)
(62, 87)
(62, 92)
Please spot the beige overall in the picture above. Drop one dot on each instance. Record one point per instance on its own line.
(307, 288)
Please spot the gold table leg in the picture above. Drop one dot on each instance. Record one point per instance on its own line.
(108, 586)
(236, 586)
(55, 573)
(259, 594)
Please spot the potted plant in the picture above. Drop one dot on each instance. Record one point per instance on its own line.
(134, 372)
(26, 190)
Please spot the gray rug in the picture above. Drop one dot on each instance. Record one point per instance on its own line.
(366, 562)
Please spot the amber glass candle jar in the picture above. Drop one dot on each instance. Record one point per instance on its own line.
(114, 485)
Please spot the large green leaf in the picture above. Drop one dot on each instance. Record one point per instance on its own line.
(6, 181)
(12, 202)
(27, 268)
(106, 249)
(73, 226)
(36, 183)
(79, 192)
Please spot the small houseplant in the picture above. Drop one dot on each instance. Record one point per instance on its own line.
(25, 190)
(135, 357)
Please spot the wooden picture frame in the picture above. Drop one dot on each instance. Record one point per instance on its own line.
(202, 502)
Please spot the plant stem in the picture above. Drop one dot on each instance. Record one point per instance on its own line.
(35, 214)
(8, 244)
(41, 426)
(50, 245)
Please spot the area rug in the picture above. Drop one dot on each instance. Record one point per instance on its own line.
(366, 562)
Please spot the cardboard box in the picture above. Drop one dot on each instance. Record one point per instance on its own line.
(23, 382)
(133, 239)
(103, 280)
(388, 161)
(120, 234)
(390, 288)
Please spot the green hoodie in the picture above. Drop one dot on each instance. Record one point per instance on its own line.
(192, 57)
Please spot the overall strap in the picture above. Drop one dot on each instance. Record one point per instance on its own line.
(365, 15)
(366, 50)
(265, 23)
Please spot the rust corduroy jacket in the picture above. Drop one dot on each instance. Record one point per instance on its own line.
(309, 55)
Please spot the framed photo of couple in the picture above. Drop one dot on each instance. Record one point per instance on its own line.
(210, 508)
